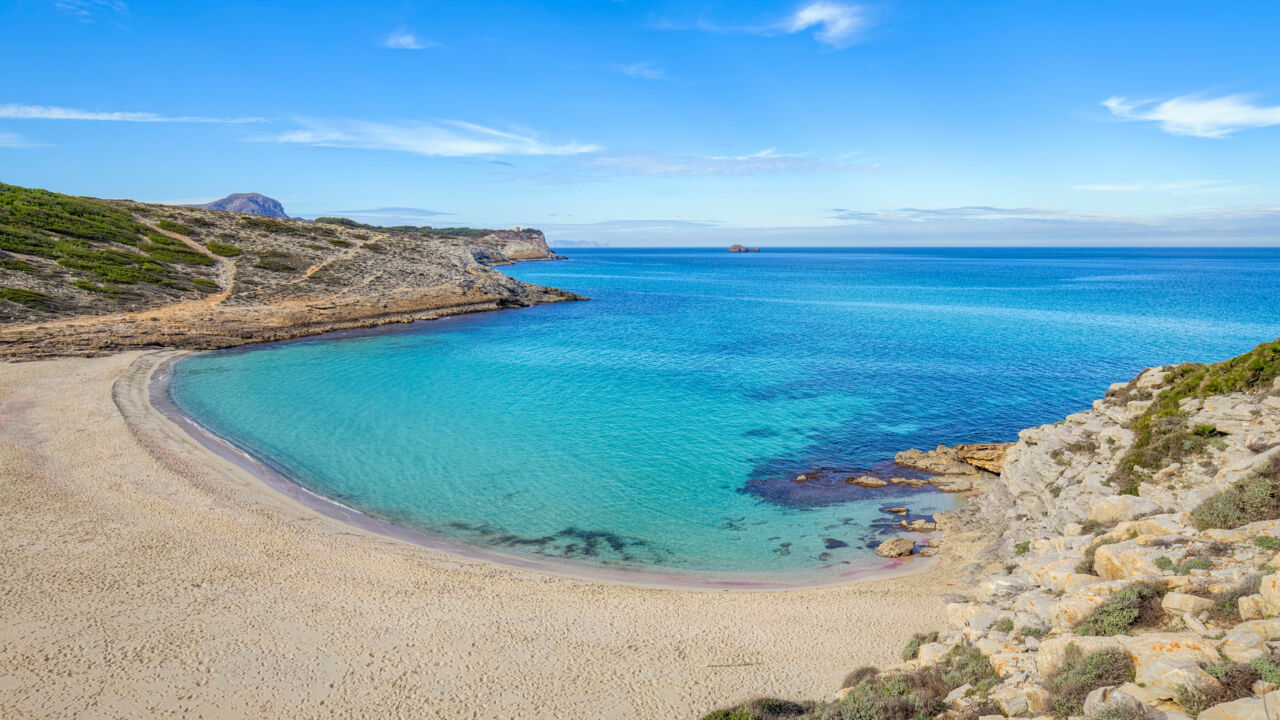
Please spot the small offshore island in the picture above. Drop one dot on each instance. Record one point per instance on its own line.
(1120, 563)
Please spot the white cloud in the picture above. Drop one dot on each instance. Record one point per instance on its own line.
(765, 162)
(87, 10)
(1179, 187)
(641, 71)
(17, 111)
(402, 39)
(1196, 115)
(14, 140)
(442, 138)
(837, 24)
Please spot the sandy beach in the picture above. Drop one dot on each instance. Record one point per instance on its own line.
(143, 574)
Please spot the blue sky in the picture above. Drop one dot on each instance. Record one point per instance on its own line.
(669, 123)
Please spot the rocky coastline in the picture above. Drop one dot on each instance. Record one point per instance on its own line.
(1120, 564)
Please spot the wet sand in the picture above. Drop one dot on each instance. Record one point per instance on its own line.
(142, 573)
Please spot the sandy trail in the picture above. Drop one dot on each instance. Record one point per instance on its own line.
(143, 575)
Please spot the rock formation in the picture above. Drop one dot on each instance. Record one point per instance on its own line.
(742, 249)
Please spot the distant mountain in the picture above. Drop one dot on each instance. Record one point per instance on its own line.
(249, 204)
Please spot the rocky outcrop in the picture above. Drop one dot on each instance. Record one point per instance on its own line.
(742, 249)
(1064, 546)
(985, 456)
(516, 245)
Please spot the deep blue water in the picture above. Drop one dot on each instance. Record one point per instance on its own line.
(659, 424)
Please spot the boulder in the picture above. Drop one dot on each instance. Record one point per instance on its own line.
(958, 694)
(1241, 646)
(1117, 508)
(986, 456)
(1178, 603)
(867, 481)
(1107, 698)
(896, 547)
(1269, 588)
(1012, 700)
(1163, 676)
(1251, 607)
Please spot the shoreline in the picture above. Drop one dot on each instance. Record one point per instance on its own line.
(155, 385)
(146, 575)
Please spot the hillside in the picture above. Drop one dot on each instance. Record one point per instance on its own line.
(85, 276)
(1125, 566)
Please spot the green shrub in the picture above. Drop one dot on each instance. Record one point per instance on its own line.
(1253, 498)
(1164, 562)
(174, 226)
(92, 287)
(276, 261)
(26, 298)
(1004, 625)
(204, 284)
(1134, 605)
(968, 666)
(1022, 548)
(1118, 712)
(1205, 431)
(266, 224)
(12, 263)
(340, 242)
(1035, 632)
(223, 249)
(1081, 674)
(176, 253)
(913, 646)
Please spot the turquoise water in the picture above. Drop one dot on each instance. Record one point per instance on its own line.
(658, 426)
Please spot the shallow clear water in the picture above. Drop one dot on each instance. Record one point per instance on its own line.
(657, 425)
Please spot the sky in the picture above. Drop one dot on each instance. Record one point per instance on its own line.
(668, 123)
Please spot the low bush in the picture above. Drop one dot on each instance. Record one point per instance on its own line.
(1253, 498)
(1235, 681)
(1267, 542)
(223, 249)
(1004, 625)
(760, 709)
(26, 298)
(174, 226)
(1137, 605)
(1081, 674)
(1022, 548)
(276, 261)
(913, 646)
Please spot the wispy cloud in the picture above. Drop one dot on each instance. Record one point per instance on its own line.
(1197, 115)
(384, 213)
(87, 11)
(402, 39)
(765, 162)
(14, 140)
(441, 138)
(16, 111)
(962, 213)
(641, 71)
(1179, 187)
(834, 24)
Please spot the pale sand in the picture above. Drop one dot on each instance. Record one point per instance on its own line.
(143, 575)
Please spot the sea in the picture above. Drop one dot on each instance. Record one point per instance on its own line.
(657, 429)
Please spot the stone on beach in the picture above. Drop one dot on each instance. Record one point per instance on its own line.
(896, 547)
